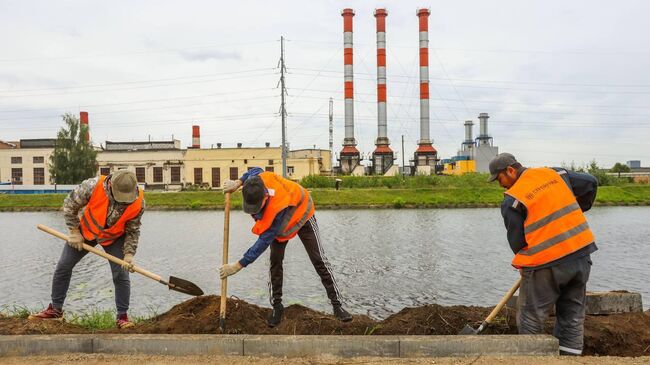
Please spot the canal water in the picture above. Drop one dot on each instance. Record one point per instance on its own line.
(383, 260)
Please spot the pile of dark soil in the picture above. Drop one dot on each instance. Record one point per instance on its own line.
(613, 335)
(201, 315)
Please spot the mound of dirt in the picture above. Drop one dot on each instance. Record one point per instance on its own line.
(613, 335)
(21, 326)
(201, 315)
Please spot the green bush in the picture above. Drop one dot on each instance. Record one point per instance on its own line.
(396, 182)
(398, 203)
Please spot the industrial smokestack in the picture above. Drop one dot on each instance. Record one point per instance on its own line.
(483, 137)
(468, 131)
(423, 15)
(196, 137)
(349, 156)
(382, 123)
(83, 119)
(425, 154)
(382, 157)
(483, 117)
(469, 138)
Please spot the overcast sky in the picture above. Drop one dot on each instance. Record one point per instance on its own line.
(562, 81)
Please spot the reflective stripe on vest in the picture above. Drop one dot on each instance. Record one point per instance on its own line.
(555, 225)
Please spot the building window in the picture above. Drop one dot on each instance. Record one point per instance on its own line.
(105, 171)
(198, 175)
(216, 177)
(290, 170)
(271, 162)
(234, 173)
(39, 159)
(39, 176)
(269, 169)
(16, 159)
(158, 174)
(139, 174)
(17, 176)
(245, 161)
(176, 174)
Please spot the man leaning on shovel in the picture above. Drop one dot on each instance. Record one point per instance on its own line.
(549, 234)
(281, 209)
(112, 209)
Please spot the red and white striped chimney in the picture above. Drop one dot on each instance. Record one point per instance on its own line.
(83, 119)
(196, 137)
(424, 144)
(349, 143)
(382, 124)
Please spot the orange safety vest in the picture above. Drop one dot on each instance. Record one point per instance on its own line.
(284, 194)
(93, 222)
(555, 225)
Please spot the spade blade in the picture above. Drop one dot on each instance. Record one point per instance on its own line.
(184, 286)
(468, 330)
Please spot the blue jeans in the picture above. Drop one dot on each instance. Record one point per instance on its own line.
(70, 257)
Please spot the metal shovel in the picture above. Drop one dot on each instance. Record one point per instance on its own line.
(468, 330)
(174, 283)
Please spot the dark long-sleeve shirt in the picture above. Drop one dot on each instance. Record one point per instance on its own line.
(266, 238)
(584, 187)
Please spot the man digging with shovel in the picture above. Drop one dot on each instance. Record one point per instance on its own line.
(112, 209)
(549, 235)
(281, 209)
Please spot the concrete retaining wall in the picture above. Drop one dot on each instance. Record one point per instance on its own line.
(281, 346)
(605, 302)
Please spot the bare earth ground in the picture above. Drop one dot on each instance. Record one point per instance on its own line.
(97, 359)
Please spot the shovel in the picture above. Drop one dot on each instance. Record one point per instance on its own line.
(468, 330)
(224, 260)
(174, 283)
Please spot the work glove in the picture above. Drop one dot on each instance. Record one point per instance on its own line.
(75, 239)
(128, 262)
(230, 186)
(229, 269)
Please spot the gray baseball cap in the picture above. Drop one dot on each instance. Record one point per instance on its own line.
(253, 192)
(124, 186)
(500, 163)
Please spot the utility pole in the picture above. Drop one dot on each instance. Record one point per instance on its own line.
(283, 110)
(332, 136)
(403, 166)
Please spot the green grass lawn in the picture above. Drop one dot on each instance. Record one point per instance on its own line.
(436, 196)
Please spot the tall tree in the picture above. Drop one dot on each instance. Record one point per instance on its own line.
(74, 158)
(619, 167)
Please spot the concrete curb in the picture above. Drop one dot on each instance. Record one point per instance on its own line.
(281, 346)
(611, 302)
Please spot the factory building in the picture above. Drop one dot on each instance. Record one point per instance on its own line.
(157, 164)
(162, 165)
(26, 162)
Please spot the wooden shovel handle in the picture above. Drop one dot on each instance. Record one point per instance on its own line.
(101, 253)
(224, 259)
(503, 301)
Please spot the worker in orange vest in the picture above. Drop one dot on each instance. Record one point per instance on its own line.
(112, 209)
(552, 242)
(282, 209)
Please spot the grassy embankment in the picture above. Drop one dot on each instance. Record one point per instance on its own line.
(92, 319)
(357, 192)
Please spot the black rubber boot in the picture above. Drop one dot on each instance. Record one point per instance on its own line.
(276, 316)
(341, 314)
